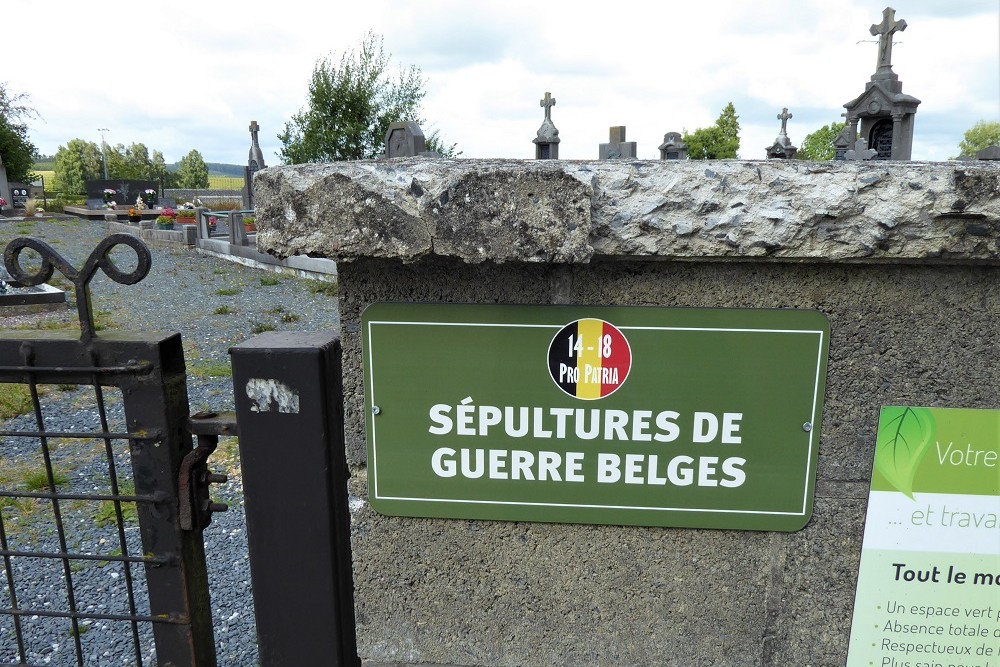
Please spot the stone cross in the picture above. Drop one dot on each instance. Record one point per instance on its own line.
(617, 147)
(885, 30)
(254, 128)
(783, 117)
(548, 103)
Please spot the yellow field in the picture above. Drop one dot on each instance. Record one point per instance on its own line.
(214, 182)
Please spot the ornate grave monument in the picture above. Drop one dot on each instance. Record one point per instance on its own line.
(617, 147)
(884, 112)
(782, 148)
(547, 138)
(255, 162)
(673, 147)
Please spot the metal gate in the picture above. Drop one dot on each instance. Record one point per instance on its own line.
(99, 542)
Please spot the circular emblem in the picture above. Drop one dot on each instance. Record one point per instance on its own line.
(589, 359)
(874, 106)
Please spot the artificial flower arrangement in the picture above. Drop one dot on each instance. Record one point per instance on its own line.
(150, 195)
(3, 202)
(140, 203)
(109, 194)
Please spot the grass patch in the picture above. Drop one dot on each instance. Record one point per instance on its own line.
(223, 310)
(15, 399)
(288, 318)
(228, 291)
(36, 480)
(269, 281)
(323, 287)
(261, 327)
(219, 272)
(211, 369)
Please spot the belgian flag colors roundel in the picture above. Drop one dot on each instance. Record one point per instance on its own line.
(589, 359)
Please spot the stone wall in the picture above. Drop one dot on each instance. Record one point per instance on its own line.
(901, 257)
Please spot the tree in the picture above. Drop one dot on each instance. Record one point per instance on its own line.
(131, 163)
(16, 149)
(192, 171)
(819, 144)
(76, 163)
(351, 105)
(158, 168)
(981, 135)
(718, 142)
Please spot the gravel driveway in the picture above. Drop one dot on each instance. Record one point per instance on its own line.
(214, 304)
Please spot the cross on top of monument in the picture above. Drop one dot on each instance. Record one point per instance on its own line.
(548, 102)
(783, 117)
(885, 30)
(254, 128)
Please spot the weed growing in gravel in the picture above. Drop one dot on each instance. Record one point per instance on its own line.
(15, 399)
(211, 369)
(219, 272)
(223, 310)
(37, 480)
(322, 287)
(269, 281)
(106, 516)
(288, 318)
(261, 327)
(228, 291)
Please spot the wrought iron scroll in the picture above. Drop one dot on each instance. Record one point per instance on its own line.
(100, 258)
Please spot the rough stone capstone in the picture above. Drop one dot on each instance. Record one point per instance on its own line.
(573, 212)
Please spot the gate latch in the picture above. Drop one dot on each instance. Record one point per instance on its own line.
(195, 507)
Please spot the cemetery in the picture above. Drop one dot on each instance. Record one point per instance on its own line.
(603, 411)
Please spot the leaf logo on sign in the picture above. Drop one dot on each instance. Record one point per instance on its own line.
(904, 436)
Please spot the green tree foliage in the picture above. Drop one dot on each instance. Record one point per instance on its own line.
(351, 105)
(16, 149)
(132, 162)
(192, 171)
(819, 144)
(76, 163)
(981, 135)
(718, 142)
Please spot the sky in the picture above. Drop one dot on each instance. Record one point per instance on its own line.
(179, 75)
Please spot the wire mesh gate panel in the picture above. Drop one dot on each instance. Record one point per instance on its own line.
(91, 543)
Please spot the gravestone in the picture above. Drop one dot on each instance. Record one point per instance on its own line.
(547, 138)
(406, 139)
(989, 153)
(673, 147)
(255, 162)
(18, 195)
(782, 148)
(861, 151)
(617, 148)
(125, 190)
(883, 114)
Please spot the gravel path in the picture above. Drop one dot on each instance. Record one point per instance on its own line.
(214, 304)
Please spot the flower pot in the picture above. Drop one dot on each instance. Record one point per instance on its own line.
(134, 218)
(185, 221)
(249, 227)
(164, 225)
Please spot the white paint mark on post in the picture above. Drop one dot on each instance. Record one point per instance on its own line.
(272, 396)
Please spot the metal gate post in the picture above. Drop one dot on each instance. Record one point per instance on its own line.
(158, 403)
(289, 407)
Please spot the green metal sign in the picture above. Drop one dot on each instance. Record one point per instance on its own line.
(603, 415)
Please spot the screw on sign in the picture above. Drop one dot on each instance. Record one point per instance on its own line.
(589, 359)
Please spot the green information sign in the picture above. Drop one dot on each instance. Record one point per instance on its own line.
(603, 415)
(929, 583)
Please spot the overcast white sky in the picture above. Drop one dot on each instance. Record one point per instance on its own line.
(181, 74)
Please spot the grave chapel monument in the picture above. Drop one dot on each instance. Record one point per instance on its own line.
(883, 115)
